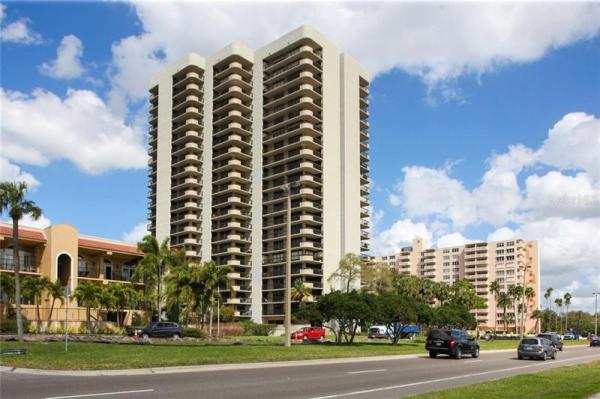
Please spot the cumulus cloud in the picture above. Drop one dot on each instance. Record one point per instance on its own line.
(67, 64)
(18, 31)
(399, 235)
(42, 127)
(438, 42)
(28, 221)
(14, 173)
(452, 240)
(136, 233)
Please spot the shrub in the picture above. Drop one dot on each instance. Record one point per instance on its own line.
(33, 329)
(83, 329)
(55, 330)
(194, 332)
(252, 328)
(10, 326)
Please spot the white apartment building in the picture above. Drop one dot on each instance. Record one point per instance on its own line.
(509, 262)
(229, 130)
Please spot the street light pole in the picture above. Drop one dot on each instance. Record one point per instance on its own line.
(595, 294)
(288, 269)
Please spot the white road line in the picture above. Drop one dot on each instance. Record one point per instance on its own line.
(101, 394)
(366, 371)
(366, 391)
(473, 361)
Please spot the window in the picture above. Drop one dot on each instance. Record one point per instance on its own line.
(454, 249)
(510, 257)
(499, 258)
(446, 251)
(446, 263)
(83, 269)
(510, 250)
(107, 269)
(454, 256)
(446, 257)
(510, 243)
(455, 263)
(499, 251)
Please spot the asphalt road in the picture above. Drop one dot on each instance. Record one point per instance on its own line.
(364, 379)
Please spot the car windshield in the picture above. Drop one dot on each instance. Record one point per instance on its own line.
(530, 341)
(547, 336)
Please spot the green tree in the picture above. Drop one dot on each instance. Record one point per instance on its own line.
(300, 291)
(87, 294)
(396, 311)
(454, 315)
(443, 292)
(559, 303)
(344, 311)
(537, 315)
(124, 295)
(214, 280)
(7, 287)
(56, 291)
(13, 201)
(152, 267)
(348, 271)
(494, 290)
(548, 296)
(34, 287)
(567, 301)
(106, 301)
(464, 294)
(528, 296)
(504, 301)
(377, 278)
(516, 292)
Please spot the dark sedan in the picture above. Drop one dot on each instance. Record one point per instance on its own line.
(595, 341)
(162, 330)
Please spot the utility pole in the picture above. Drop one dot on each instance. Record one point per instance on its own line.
(288, 268)
(595, 294)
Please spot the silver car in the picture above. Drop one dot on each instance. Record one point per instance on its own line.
(536, 348)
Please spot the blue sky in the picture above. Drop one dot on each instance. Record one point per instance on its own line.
(447, 113)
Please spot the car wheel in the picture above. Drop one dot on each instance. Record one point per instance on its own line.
(554, 356)
(433, 354)
(520, 357)
(475, 352)
(560, 348)
(145, 336)
(544, 356)
(458, 354)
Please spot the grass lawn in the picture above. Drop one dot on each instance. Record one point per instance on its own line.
(573, 382)
(90, 356)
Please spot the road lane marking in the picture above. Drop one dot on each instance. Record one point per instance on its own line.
(473, 361)
(366, 391)
(89, 395)
(366, 371)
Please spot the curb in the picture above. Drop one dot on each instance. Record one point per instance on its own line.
(215, 367)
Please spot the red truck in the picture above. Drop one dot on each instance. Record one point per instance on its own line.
(309, 334)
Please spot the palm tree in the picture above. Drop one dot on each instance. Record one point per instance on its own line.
(12, 199)
(516, 292)
(123, 295)
(214, 279)
(537, 315)
(567, 301)
(495, 289)
(7, 287)
(504, 300)
(559, 303)
(106, 300)
(152, 267)
(528, 295)
(349, 270)
(34, 287)
(56, 292)
(300, 291)
(548, 296)
(87, 294)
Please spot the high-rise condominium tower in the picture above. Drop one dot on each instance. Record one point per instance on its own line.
(229, 130)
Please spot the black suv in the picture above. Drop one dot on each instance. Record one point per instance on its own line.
(162, 329)
(451, 342)
(554, 338)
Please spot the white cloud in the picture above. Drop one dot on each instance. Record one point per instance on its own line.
(19, 32)
(437, 41)
(11, 172)
(43, 127)
(574, 143)
(28, 221)
(67, 64)
(452, 240)
(400, 234)
(136, 233)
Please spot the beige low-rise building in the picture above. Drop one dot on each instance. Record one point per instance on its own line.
(60, 253)
(509, 262)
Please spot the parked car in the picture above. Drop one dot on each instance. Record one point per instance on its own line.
(309, 334)
(452, 342)
(162, 329)
(536, 348)
(554, 338)
(379, 332)
(595, 341)
(569, 336)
